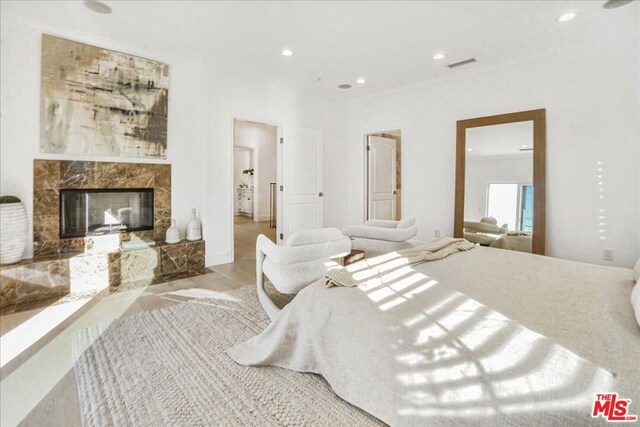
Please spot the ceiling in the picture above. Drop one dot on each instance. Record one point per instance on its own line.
(500, 140)
(391, 44)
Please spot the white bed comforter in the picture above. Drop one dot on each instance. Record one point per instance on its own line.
(485, 337)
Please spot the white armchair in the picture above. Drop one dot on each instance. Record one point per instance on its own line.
(302, 260)
(377, 236)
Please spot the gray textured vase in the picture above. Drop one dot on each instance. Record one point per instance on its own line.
(13, 232)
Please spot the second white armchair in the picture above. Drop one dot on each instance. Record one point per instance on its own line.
(376, 236)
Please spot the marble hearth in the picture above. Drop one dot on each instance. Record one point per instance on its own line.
(71, 268)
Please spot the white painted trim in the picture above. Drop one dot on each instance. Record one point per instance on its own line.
(218, 258)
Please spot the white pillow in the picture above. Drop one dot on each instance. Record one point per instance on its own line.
(635, 300)
(636, 271)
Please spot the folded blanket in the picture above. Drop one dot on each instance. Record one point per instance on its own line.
(373, 270)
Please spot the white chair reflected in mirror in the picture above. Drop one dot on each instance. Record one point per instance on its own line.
(377, 237)
(300, 261)
(484, 232)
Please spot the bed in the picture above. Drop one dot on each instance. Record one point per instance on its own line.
(484, 337)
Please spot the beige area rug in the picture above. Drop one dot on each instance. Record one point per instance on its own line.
(167, 367)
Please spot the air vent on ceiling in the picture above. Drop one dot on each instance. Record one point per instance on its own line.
(461, 63)
(613, 4)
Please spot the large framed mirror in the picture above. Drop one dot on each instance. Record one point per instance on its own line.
(500, 181)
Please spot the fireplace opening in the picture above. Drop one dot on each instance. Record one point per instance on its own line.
(105, 211)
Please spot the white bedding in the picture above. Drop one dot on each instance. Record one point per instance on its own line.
(485, 337)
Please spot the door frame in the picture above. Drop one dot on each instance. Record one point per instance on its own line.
(365, 164)
(278, 127)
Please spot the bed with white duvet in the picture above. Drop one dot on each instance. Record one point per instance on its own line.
(481, 338)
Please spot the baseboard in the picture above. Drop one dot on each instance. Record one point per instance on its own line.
(261, 218)
(217, 258)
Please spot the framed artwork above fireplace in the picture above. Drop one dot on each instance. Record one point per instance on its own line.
(99, 102)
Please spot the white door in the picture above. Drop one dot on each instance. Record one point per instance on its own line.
(301, 180)
(381, 154)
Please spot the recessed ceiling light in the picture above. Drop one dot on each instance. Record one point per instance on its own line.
(469, 149)
(361, 81)
(566, 17)
(97, 6)
(524, 146)
(439, 55)
(344, 86)
(287, 52)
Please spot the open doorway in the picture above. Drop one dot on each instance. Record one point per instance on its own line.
(383, 185)
(254, 185)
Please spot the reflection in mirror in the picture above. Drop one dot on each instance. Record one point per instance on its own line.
(498, 195)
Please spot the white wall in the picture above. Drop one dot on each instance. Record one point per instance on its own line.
(480, 171)
(262, 139)
(593, 115)
(204, 97)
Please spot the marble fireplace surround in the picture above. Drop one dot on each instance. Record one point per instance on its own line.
(51, 176)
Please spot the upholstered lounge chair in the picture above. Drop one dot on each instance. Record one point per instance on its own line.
(302, 260)
(377, 236)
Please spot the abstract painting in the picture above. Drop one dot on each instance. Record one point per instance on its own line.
(98, 102)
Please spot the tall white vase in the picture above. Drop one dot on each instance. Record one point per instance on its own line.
(194, 227)
(13, 232)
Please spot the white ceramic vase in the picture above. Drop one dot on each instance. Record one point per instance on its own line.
(173, 233)
(13, 232)
(194, 227)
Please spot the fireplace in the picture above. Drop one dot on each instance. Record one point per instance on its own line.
(94, 212)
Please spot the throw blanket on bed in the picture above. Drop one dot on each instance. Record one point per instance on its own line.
(371, 271)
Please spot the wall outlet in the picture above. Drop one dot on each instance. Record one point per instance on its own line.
(436, 232)
(607, 254)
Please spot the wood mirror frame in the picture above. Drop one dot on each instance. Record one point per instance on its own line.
(538, 117)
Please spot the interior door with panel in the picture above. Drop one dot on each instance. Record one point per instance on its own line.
(302, 197)
(381, 177)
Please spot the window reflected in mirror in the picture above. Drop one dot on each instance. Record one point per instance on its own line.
(498, 204)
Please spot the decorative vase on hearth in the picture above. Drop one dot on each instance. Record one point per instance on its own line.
(13, 230)
(194, 227)
(173, 234)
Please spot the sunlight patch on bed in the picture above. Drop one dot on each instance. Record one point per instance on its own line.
(363, 275)
(481, 333)
(460, 314)
(394, 302)
(430, 333)
(436, 306)
(513, 352)
(473, 392)
(440, 375)
(556, 371)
